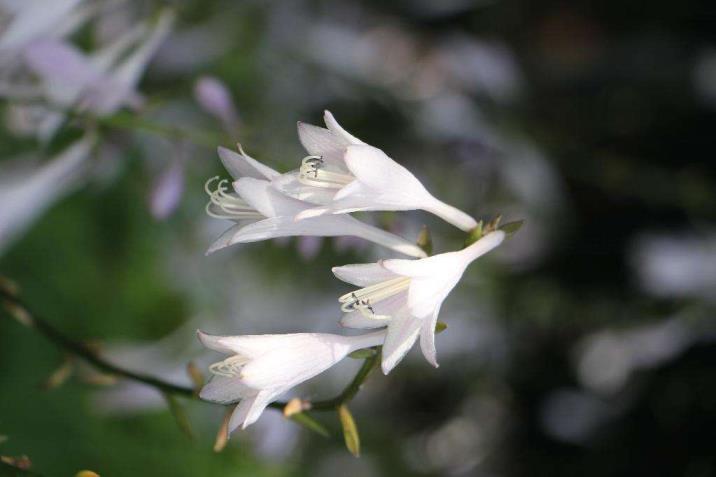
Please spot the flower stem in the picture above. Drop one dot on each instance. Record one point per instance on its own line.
(17, 309)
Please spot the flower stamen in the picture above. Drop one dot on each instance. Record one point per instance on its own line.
(364, 299)
(313, 173)
(231, 206)
(230, 367)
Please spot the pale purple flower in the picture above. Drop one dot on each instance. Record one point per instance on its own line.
(214, 97)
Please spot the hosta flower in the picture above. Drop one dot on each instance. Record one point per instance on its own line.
(343, 174)
(262, 367)
(405, 296)
(24, 195)
(261, 212)
(100, 82)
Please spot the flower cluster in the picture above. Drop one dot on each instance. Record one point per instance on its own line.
(400, 298)
(47, 81)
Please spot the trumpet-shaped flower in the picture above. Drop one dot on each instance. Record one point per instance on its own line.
(261, 212)
(343, 174)
(406, 296)
(262, 367)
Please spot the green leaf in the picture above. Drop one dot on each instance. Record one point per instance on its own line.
(425, 240)
(475, 234)
(440, 326)
(362, 353)
(511, 227)
(310, 423)
(350, 431)
(179, 415)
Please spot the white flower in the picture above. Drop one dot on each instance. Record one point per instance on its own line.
(100, 82)
(262, 367)
(24, 196)
(405, 296)
(343, 174)
(34, 19)
(262, 212)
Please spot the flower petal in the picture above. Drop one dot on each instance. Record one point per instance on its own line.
(427, 338)
(226, 238)
(357, 320)
(402, 332)
(224, 390)
(363, 274)
(336, 128)
(250, 408)
(299, 358)
(268, 201)
(322, 142)
(241, 165)
(376, 170)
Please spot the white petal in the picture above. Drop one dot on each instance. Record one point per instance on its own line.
(351, 189)
(402, 332)
(450, 214)
(297, 360)
(240, 165)
(363, 274)
(225, 239)
(34, 21)
(483, 246)
(336, 128)
(250, 409)
(373, 168)
(322, 142)
(268, 201)
(64, 70)
(167, 190)
(286, 226)
(214, 97)
(289, 184)
(427, 338)
(23, 201)
(224, 390)
(357, 320)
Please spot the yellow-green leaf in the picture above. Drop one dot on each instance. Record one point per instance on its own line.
(350, 431)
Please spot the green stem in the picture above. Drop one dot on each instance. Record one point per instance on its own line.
(89, 355)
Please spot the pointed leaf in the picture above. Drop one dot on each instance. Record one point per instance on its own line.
(440, 326)
(60, 375)
(179, 415)
(350, 431)
(362, 353)
(425, 240)
(511, 227)
(222, 436)
(310, 423)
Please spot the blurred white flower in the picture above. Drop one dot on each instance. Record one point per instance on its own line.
(676, 265)
(26, 195)
(262, 212)
(214, 97)
(262, 367)
(359, 177)
(100, 82)
(36, 19)
(406, 296)
(167, 190)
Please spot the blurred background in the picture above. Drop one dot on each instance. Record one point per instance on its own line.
(585, 345)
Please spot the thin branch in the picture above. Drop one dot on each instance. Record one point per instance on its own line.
(15, 307)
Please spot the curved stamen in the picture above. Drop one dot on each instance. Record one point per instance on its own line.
(233, 206)
(230, 367)
(363, 299)
(312, 172)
